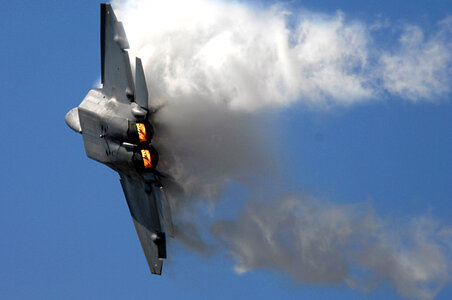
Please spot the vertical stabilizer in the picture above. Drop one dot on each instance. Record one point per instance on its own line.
(141, 90)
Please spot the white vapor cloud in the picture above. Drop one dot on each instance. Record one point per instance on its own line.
(245, 58)
(220, 71)
(421, 67)
(322, 243)
(251, 58)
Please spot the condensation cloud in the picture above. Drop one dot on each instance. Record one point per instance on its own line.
(420, 68)
(254, 58)
(220, 70)
(323, 243)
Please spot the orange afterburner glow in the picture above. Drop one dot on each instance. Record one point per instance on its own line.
(141, 132)
(147, 161)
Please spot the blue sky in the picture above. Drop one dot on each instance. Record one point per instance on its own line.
(66, 229)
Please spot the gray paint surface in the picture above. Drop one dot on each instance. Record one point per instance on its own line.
(106, 119)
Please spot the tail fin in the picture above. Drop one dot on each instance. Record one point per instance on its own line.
(141, 90)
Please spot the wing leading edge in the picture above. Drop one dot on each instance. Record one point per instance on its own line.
(116, 72)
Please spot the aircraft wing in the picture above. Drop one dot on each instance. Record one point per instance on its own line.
(116, 73)
(145, 208)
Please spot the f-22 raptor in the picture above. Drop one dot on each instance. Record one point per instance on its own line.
(116, 124)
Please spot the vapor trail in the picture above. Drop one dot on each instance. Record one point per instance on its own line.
(322, 243)
(218, 67)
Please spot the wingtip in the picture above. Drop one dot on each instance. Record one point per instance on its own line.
(156, 269)
(105, 5)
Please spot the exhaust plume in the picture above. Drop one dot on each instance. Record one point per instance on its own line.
(221, 71)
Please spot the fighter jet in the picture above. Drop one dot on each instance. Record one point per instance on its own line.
(116, 125)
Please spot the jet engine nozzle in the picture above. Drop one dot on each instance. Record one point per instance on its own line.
(146, 158)
(140, 132)
(73, 121)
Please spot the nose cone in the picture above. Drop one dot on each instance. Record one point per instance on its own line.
(73, 121)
